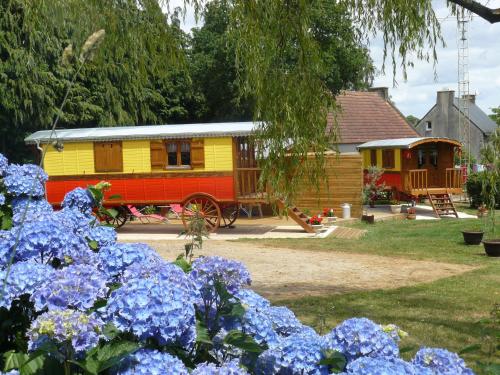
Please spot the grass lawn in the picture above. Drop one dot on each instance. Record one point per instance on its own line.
(440, 314)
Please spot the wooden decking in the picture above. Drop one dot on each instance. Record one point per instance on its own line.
(416, 182)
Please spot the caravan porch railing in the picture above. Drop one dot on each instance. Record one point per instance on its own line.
(416, 181)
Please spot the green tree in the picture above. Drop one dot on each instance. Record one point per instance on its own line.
(495, 116)
(412, 120)
(213, 58)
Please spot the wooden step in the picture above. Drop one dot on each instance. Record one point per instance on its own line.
(296, 215)
(441, 203)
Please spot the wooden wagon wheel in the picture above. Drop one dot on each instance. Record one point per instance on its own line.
(205, 206)
(230, 213)
(120, 219)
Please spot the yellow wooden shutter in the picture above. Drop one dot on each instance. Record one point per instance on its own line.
(158, 154)
(197, 153)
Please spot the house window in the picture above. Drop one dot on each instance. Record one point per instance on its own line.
(388, 159)
(108, 157)
(178, 154)
(428, 126)
(373, 158)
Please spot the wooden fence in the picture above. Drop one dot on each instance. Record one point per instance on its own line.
(345, 185)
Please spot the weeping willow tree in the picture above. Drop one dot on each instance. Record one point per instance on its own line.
(279, 62)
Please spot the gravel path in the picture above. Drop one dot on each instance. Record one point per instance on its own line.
(280, 273)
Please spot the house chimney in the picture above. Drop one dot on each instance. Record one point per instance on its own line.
(470, 97)
(445, 98)
(382, 91)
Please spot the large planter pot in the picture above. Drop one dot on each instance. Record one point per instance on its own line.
(370, 219)
(492, 247)
(395, 208)
(472, 237)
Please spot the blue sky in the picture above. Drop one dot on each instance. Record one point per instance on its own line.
(417, 94)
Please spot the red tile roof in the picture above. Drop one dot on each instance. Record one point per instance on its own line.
(366, 116)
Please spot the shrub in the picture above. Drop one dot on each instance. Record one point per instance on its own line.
(77, 302)
(474, 187)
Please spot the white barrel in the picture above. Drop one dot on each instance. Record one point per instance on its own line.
(346, 210)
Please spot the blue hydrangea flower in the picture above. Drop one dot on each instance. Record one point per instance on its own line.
(150, 362)
(153, 309)
(209, 270)
(4, 164)
(75, 221)
(76, 286)
(441, 362)
(284, 321)
(117, 257)
(360, 337)
(79, 199)
(65, 326)
(257, 324)
(7, 241)
(103, 235)
(24, 278)
(249, 298)
(27, 179)
(162, 271)
(11, 372)
(384, 366)
(294, 355)
(2, 199)
(30, 210)
(43, 241)
(228, 368)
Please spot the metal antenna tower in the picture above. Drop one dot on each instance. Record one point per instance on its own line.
(463, 19)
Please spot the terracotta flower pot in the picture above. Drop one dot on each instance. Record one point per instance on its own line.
(472, 237)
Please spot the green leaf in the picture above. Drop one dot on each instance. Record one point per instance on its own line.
(110, 331)
(202, 333)
(492, 369)
(6, 223)
(470, 348)
(14, 360)
(406, 349)
(243, 341)
(114, 196)
(335, 360)
(183, 263)
(111, 212)
(93, 244)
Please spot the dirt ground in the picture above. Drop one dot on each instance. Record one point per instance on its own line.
(280, 273)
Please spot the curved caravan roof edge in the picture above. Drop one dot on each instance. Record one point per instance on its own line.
(406, 143)
(202, 130)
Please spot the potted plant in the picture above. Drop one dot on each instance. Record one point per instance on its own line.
(490, 181)
(411, 213)
(330, 215)
(395, 206)
(482, 211)
(315, 222)
(370, 219)
(473, 236)
(373, 187)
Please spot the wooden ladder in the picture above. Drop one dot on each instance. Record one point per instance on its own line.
(296, 215)
(442, 203)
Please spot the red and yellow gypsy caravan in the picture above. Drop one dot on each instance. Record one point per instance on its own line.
(211, 166)
(418, 167)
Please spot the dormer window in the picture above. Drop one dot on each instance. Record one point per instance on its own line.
(428, 126)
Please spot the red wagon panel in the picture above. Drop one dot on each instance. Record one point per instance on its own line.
(150, 190)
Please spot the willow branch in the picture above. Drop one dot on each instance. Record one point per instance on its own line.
(489, 14)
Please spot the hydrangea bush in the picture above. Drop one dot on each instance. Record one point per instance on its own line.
(78, 302)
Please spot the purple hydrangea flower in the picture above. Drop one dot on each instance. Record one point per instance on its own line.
(384, 366)
(37, 210)
(2, 199)
(43, 241)
(76, 286)
(150, 362)
(294, 355)
(4, 164)
(153, 309)
(360, 337)
(441, 362)
(103, 235)
(65, 326)
(79, 199)
(228, 368)
(27, 179)
(24, 278)
(162, 271)
(209, 270)
(249, 298)
(117, 257)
